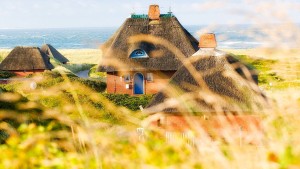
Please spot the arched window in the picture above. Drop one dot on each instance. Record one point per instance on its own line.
(138, 53)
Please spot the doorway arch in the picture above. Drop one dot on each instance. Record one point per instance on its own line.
(138, 83)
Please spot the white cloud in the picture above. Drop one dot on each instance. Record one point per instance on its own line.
(77, 13)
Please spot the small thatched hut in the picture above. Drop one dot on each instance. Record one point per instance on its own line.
(211, 82)
(26, 60)
(143, 54)
(52, 52)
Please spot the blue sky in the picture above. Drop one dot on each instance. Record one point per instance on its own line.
(111, 13)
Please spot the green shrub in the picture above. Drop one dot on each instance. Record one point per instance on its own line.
(130, 102)
(23, 111)
(96, 85)
(75, 68)
(54, 78)
(6, 74)
(10, 87)
(94, 74)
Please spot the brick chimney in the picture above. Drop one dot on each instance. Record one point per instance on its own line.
(208, 40)
(154, 12)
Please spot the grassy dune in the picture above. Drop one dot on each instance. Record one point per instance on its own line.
(88, 129)
(280, 68)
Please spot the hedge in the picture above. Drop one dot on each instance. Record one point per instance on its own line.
(131, 102)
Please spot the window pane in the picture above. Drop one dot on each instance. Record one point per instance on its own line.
(139, 53)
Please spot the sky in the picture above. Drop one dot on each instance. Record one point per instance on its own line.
(112, 13)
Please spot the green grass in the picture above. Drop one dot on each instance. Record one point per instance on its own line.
(75, 68)
(264, 68)
(6, 74)
(274, 73)
(94, 74)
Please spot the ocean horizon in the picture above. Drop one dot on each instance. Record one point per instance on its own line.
(229, 37)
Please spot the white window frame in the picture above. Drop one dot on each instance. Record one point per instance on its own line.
(127, 78)
(150, 77)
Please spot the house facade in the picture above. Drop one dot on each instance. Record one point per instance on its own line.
(139, 58)
(137, 82)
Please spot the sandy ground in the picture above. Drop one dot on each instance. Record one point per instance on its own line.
(94, 56)
(89, 56)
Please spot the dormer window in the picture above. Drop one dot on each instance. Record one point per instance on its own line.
(138, 53)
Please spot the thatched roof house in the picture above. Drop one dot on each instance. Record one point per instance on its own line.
(147, 43)
(213, 94)
(24, 60)
(212, 81)
(156, 56)
(52, 52)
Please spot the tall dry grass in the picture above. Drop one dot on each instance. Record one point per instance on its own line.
(81, 56)
(106, 137)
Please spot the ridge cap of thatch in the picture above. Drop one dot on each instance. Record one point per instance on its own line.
(33, 47)
(209, 52)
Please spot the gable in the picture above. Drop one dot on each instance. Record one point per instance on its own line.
(120, 47)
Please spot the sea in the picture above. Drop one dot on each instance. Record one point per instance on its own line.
(228, 37)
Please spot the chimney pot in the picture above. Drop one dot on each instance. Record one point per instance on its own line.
(154, 12)
(208, 40)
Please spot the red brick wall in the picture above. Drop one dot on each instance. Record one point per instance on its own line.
(116, 84)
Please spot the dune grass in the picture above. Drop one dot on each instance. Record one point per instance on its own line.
(81, 56)
(3, 53)
(80, 59)
(277, 68)
(100, 132)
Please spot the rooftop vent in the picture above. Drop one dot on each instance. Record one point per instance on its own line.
(154, 12)
(208, 40)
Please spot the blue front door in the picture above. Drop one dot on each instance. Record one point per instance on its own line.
(138, 83)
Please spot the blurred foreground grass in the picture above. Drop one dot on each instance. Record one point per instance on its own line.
(68, 122)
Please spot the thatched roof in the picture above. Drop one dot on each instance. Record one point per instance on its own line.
(52, 52)
(26, 59)
(218, 83)
(155, 37)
